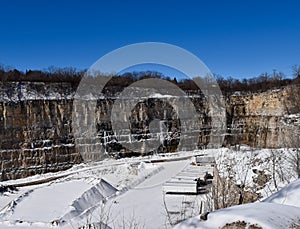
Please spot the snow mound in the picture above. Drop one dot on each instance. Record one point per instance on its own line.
(265, 215)
(52, 205)
(289, 195)
(90, 199)
(45, 203)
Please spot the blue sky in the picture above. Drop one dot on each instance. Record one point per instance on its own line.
(166, 70)
(233, 38)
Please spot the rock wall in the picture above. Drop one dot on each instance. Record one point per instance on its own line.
(267, 120)
(35, 137)
(36, 133)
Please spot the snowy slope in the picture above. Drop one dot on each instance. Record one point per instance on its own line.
(289, 195)
(265, 215)
(281, 210)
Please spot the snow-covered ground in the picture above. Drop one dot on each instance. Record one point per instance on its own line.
(122, 189)
(279, 205)
(281, 210)
(129, 193)
(68, 199)
(144, 202)
(244, 164)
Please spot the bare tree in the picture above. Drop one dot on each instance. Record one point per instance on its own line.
(294, 154)
(294, 159)
(296, 71)
(274, 160)
(229, 186)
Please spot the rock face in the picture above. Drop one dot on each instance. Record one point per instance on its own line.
(36, 133)
(36, 137)
(267, 120)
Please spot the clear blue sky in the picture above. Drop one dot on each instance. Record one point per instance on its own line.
(233, 38)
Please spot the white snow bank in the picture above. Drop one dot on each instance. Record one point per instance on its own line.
(265, 215)
(46, 203)
(90, 199)
(289, 195)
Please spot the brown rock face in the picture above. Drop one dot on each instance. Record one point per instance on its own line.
(36, 133)
(268, 120)
(35, 137)
(35, 130)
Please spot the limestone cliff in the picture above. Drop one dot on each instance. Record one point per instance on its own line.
(35, 129)
(270, 119)
(36, 133)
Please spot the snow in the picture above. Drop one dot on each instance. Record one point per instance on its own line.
(89, 200)
(244, 161)
(280, 209)
(265, 215)
(41, 209)
(158, 95)
(22, 91)
(144, 202)
(292, 116)
(130, 191)
(184, 181)
(72, 198)
(289, 195)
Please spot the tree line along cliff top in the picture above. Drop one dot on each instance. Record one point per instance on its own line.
(228, 86)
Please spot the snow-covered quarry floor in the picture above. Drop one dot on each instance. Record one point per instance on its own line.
(129, 193)
(113, 192)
